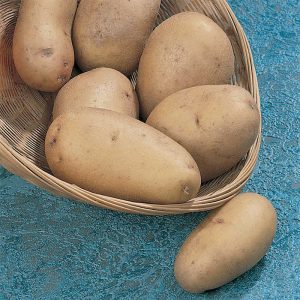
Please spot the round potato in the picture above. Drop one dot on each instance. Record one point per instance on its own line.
(227, 244)
(186, 50)
(216, 124)
(113, 34)
(115, 155)
(42, 48)
(99, 88)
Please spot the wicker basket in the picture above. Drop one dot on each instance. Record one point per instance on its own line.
(25, 115)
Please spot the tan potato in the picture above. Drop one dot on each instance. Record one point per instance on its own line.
(186, 50)
(42, 48)
(227, 244)
(216, 124)
(113, 34)
(112, 154)
(99, 88)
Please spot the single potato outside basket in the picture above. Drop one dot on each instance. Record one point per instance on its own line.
(25, 116)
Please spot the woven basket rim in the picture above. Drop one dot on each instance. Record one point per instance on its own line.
(39, 177)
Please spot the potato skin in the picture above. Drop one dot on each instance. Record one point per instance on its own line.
(216, 124)
(186, 50)
(99, 88)
(115, 155)
(113, 34)
(228, 243)
(42, 48)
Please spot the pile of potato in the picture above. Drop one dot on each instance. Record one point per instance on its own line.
(182, 124)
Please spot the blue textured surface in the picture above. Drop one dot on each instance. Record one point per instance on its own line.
(52, 248)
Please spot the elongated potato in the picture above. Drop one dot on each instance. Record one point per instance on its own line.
(42, 48)
(227, 244)
(99, 88)
(217, 124)
(113, 34)
(112, 154)
(186, 50)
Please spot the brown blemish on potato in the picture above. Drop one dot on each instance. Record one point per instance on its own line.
(143, 135)
(219, 221)
(165, 129)
(47, 52)
(186, 190)
(182, 106)
(191, 166)
(193, 262)
(61, 78)
(251, 104)
(115, 136)
(66, 64)
(218, 63)
(217, 151)
(60, 159)
(53, 142)
(127, 95)
(197, 120)
(66, 33)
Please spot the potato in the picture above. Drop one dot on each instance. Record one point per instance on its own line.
(186, 50)
(216, 124)
(227, 244)
(99, 88)
(112, 34)
(42, 48)
(115, 155)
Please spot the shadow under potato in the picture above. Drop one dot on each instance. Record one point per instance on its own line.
(245, 282)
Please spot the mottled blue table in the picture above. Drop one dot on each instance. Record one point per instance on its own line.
(53, 248)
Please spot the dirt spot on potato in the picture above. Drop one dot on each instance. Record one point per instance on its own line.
(47, 52)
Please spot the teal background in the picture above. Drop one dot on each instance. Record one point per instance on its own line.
(53, 248)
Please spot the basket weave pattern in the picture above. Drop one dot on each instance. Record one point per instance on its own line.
(25, 115)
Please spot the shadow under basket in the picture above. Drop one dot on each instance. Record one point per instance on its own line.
(25, 115)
